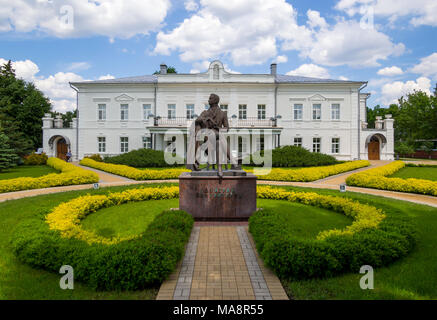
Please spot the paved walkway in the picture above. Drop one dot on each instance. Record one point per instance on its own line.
(220, 263)
(105, 177)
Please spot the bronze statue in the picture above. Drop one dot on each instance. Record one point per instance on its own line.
(214, 119)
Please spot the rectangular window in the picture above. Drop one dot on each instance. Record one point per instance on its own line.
(224, 107)
(242, 146)
(242, 111)
(147, 142)
(124, 112)
(261, 111)
(190, 111)
(102, 144)
(317, 111)
(102, 111)
(124, 144)
(298, 110)
(298, 141)
(316, 144)
(171, 108)
(335, 145)
(147, 111)
(335, 111)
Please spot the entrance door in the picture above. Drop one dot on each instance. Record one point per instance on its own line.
(373, 149)
(61, 149)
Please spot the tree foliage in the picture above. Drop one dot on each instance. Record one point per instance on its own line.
(415, 118)
(22, 105)
(8, 158)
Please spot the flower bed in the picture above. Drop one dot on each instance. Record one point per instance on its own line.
(51, 240)
(313, 173)
(133, 173)
(374, 238)
(377, 178)
(70, 175)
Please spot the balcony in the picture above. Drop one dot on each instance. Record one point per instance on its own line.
(249, 122)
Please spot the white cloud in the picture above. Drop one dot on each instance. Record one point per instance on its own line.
(56, 87)
(191, 5)
(107, 77)
(343, 78)
(247, 31)
(427, 66)
(75, 18)
(77, 66)
(421, 12)
(390, 71)
(25, 69)
(347, 43)
(281, 59)
(391, 92)
(315, 20)
(310, 70)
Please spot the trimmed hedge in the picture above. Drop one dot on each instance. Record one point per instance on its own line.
(141, 158)
(311, 174)
(128, 265)
(294, 156)
(330, 253)
(133, 173)
(377, 178)
(70, 175)
(34, 159)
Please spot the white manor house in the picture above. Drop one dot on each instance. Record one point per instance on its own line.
(264, 111)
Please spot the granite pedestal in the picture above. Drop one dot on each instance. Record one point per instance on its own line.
(206, 196)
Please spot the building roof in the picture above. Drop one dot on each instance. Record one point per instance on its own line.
(280, 78)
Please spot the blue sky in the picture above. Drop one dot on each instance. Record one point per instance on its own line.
(390, 43)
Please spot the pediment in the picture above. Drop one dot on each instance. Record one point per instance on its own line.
(124, 97)
(317, 97)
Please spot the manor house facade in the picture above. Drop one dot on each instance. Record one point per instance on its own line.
(264, 111)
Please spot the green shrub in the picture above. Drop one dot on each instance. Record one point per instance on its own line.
(95, 157)
(129, 265)
(301, 258)
(141, 158)
(35, 159)
(293, 156)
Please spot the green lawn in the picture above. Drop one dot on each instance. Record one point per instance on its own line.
(20, 281)
(416, 172)
(26, 171)
(413, 277)
(127, 219)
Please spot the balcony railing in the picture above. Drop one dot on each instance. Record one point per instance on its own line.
(254, 122)
(248, 122)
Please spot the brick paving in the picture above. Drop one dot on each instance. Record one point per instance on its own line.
(226, 267)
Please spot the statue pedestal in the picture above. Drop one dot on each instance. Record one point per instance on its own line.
(207, 197)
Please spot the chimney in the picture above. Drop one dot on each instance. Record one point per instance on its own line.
(163, 68)
(273, 68)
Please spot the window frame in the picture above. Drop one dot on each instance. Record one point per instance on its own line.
(337, 112)
(261, 108)
(317, 145)
(297, 110)
(299, 144)
(171, 111)
(189, 109)
(124, 145)
(149, 111)
(147, 142)
(317, 112)
(103, 112)
(124, 112)
(101, 145)
(242, 111)
(335, 145)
